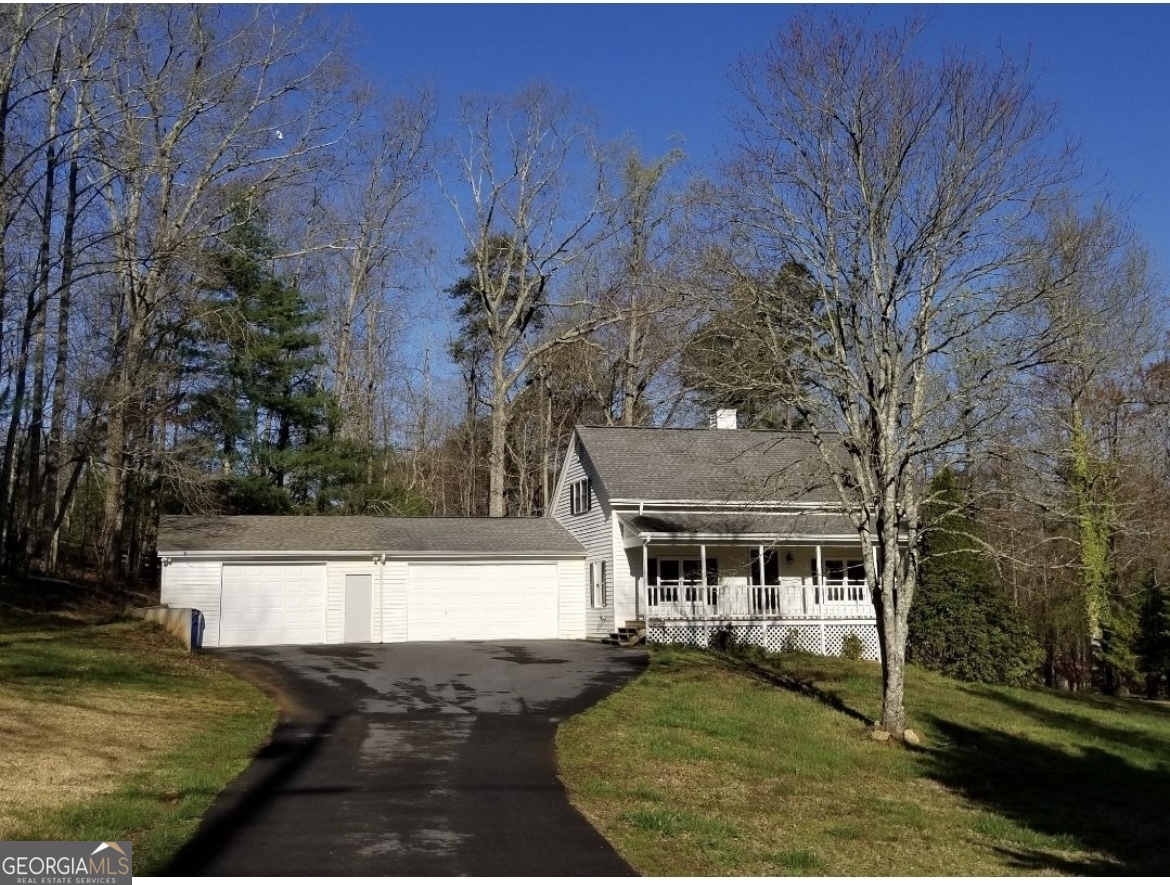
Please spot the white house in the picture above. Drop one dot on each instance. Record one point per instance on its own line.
(676, 532)
(689, 531)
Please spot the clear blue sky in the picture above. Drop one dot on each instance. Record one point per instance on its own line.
(654, 70)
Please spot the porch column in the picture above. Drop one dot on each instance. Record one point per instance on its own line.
(646, 578)
(703, 594)
(819, 590)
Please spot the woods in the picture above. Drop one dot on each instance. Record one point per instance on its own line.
(224, 255)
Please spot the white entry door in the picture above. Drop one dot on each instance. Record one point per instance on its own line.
(359, 608)
(482, 601)
(272, 604)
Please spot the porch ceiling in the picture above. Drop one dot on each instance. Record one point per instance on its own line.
(808, 527)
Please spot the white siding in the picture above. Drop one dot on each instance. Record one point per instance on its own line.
(571, 575)
(625, 591)
(196, 584)
(593, 530)
(393, 602)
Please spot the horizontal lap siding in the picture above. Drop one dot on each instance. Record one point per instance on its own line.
(195, 585)
(394, 602)
(571, 575)
(593, 532)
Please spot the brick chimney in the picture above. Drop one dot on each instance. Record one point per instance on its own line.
(722, 419)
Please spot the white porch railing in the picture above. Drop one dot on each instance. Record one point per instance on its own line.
(829, 600)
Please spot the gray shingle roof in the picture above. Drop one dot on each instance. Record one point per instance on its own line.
(782, 525)
(393, 535)
(657, 464)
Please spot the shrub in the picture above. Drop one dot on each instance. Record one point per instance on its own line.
(851, 647)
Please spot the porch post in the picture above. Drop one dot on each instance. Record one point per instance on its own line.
(646, 578)
(819, 589)
(703, 594)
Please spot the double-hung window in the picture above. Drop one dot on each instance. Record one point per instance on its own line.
(580, 496)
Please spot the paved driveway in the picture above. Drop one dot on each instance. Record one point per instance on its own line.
(413, 759)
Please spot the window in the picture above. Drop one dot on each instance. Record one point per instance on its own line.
(580, 496)
(844, 580)
(668, 575)
(598, 592)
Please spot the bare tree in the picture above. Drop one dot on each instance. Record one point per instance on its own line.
(1085, 408)
(534, 203)
(908, 190)
(195, 98)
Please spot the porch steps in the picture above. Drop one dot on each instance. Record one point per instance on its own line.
(634, 633)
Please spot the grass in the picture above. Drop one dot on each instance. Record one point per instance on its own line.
(710, 766)
(112, 731)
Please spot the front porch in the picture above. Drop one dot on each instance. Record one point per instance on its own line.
(780, 592)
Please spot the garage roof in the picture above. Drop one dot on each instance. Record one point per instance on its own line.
(365, 534)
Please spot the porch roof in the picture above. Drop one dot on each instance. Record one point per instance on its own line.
(805, 526)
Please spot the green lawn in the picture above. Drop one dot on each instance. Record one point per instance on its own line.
(112, 731)
(711, 766)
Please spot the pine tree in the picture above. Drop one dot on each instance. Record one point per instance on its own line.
(262, 405)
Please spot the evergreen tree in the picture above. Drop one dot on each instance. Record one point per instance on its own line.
(1152, 644)
(960, 623)
(260, 352)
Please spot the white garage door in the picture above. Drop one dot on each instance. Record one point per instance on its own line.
(272, 605)
(482, 601)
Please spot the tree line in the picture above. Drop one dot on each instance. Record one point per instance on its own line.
(217, 257)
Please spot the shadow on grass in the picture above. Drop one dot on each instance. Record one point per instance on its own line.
(801, 685)
(1089, 800)
(1086, 726)
(292, 747)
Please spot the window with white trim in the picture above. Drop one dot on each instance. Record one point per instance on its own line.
(580, 496)
(598, 595)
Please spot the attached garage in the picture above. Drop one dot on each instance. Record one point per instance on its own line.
(290, 580)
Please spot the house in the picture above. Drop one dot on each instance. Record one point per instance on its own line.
(689, 531)
(682, 532)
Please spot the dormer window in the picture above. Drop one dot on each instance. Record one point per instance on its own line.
(580, 496)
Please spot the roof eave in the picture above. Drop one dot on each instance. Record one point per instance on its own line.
(389, 554)
(651, 503)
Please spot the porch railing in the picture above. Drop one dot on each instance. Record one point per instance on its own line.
(828, 600)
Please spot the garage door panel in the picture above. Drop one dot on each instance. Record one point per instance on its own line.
(482, 601)
(268, 604)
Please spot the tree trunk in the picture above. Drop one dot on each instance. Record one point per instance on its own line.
(498, 445)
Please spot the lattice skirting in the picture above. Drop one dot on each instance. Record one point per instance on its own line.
(816, 637)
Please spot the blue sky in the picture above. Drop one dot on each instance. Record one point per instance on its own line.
(655, 70)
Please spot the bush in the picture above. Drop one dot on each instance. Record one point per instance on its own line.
(851, 647)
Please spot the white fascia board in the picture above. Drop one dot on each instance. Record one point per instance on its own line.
(570, 453)
(639, 505)
(363, 554)
(753, 537)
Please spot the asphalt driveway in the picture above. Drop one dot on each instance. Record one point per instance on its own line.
(413, 759)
